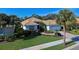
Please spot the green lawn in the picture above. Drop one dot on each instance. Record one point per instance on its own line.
(58, 47)
(75, 32)
(28, 42)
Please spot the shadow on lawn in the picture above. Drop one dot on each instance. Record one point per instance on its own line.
(68, 43)
(32, 35)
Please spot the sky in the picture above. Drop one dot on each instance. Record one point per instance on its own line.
(22, 12)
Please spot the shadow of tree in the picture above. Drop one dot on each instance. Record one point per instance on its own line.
(69, 42)
(32, 35)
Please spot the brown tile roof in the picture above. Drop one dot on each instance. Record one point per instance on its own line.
(50, 22)
(32, 21)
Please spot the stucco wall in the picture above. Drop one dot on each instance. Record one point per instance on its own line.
(28, 27)
(53, 27)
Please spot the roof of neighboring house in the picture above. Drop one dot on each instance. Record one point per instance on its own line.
(33, 21)
(50, 22)
(30, 21)
(77, 20)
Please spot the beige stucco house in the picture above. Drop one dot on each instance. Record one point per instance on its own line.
(31, 24)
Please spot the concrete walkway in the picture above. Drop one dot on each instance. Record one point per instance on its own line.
(46, 45)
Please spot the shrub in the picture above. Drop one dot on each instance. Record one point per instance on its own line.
(10, 39)
(75, 31)
(1, 38)
(50, 31)
(19, 32)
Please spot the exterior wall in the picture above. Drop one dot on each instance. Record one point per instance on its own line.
(48, 27)
(53, 27)
(36, 27)
(30, 27)
(24, 27)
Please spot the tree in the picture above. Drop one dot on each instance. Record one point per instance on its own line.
(24, 18)
(36, 16)
(49, 16)
(13, 19)
(14, 22)
(66, 16)
(3, 19)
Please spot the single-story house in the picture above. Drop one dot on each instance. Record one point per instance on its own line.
(32, 24)
(52, 25)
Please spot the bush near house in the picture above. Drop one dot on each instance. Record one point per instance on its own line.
(19, 32)
(11, 39)
(50, 31)
(1, 38)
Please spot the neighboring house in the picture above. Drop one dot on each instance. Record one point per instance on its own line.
(32, 24)
(52, 25)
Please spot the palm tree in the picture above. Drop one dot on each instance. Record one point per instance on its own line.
(65, 16)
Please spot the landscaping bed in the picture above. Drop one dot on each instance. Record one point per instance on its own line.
(58, 47)
(28, 42)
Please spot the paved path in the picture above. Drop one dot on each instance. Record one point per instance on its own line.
(46, 45)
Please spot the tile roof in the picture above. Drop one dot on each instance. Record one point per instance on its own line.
(32, 21)
(50, 22)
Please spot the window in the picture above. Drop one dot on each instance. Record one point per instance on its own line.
(31, 27)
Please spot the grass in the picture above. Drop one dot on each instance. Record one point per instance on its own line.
(59, 47)
(75, 32)
(28, 42)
